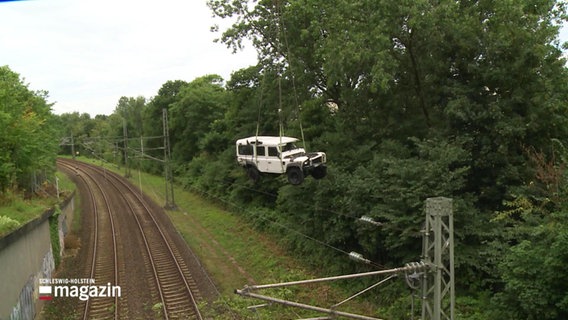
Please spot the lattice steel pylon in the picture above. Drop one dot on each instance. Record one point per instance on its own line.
(438, 295)
(433, 275)
(168, 175)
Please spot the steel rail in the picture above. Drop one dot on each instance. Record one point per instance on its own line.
(96, 234)
(151, 255)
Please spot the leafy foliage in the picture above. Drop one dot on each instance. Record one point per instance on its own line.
(410, 100)
(7, 224)
(27, 131)
(193, 116)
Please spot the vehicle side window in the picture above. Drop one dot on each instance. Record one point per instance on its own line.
(272, 152)
(245, 150)
(260, 151)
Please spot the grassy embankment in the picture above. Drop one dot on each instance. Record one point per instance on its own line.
(235, 254)
(16, 211)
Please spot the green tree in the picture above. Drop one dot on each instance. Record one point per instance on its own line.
(27, 131)
(77, 127)
(432, 97)
(194, 114)
(153, 120)
(131, 110)
(534, 273)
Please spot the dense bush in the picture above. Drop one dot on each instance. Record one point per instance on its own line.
(409, 100)
(27, 131)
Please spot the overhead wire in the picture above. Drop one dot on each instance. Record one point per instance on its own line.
(283, 226)
(278, 224)
(160, 195)
(206, 274)
(282, 29)
(234, 205)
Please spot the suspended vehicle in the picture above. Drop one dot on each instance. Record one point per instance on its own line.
(279, 155)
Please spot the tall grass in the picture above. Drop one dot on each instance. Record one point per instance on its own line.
(16, 211)
(233, 252)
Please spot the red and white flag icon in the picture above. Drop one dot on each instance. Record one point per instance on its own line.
(45, 293)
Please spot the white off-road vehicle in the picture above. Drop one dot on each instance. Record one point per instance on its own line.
(279, 155)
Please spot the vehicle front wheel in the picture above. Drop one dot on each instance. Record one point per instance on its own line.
(295, 176)
(319, 172)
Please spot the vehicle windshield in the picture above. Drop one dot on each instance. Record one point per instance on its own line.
(289, 147)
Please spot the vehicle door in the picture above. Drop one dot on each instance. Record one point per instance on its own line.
(268, 159)
(245, 154)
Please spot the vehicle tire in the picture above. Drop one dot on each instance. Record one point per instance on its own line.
(295, 176)
(253, 173)
(319, 172)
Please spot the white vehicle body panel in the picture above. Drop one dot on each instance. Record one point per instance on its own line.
(270, 154)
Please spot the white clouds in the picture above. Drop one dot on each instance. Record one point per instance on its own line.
(89, 53)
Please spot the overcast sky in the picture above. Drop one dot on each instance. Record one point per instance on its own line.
(89, 53)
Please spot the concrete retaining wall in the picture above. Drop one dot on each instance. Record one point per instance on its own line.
(26, 255)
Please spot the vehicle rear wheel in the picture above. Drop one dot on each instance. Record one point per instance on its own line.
(319, 172)
(253, 173)
(295, 176)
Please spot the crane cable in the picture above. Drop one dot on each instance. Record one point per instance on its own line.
(287, 54)
(293, 78)
(262, 84)
(281, 125)
(261, 101)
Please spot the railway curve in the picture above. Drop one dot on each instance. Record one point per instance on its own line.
(130, 242)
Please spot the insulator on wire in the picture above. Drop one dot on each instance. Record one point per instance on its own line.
(416, 266)
(370, 220)
(413, 280)
(358, 257)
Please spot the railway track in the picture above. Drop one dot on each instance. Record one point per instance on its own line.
(104, 256)
(176, 292)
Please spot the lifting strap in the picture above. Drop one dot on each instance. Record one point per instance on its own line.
(258, 116)
(293, 78)
(260, 104)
